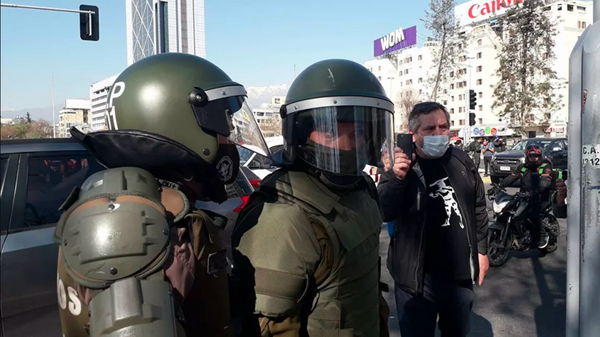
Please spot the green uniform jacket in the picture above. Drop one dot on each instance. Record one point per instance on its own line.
(313, 256)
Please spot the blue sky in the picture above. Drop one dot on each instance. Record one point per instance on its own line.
(256, 42)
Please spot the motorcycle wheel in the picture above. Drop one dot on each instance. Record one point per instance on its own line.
(497, 250)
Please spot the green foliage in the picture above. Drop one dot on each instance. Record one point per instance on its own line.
(33, 129)
(525, 91)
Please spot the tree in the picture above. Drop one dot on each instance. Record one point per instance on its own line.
(439, 20)
(35, 129)
(406, 99)
(525, 90)
(28, 118)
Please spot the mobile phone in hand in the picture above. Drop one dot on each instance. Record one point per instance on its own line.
(405, 142)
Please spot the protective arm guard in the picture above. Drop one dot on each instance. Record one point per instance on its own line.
(114, 236)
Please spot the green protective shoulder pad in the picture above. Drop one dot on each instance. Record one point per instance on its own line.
(279, 291)
(117, 228)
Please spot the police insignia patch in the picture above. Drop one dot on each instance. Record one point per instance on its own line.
(225, 167)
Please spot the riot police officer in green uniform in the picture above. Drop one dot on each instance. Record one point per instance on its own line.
(307, 244)
(142, 260)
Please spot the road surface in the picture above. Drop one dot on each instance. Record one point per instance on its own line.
(525, 297)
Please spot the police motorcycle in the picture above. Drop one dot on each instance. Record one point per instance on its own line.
(510, 228)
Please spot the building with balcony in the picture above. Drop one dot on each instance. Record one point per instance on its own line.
(409, 69)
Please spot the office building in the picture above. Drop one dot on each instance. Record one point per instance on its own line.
(478, 67)
(162, 26)
(98, 97)
(75, 113)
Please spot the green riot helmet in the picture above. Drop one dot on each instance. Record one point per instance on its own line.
(179, 110)
(337, 118)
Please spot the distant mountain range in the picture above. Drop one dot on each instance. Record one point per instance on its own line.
(35, 113)
(256, 97)
(260, 95)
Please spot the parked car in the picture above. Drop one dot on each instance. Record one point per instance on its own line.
(36, 176)
(505, 163)
(257, 166)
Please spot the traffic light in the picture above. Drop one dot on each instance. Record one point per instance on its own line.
(89, 23)
(472, 119)
(472, 99)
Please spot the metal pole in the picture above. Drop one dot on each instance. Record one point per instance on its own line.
(467, 106)
(583, 224)
(53, 119)
(47, 8)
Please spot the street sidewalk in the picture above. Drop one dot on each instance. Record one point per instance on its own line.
(485, 179)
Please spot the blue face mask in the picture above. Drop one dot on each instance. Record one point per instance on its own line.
(435, 146)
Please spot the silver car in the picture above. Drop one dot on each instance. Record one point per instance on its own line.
(36, 176)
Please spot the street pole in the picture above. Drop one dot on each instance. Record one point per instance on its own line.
(53, 120)
(47, 8)
(468, 107)
(583, 202)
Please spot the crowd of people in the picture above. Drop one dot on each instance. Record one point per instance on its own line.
(306, 246)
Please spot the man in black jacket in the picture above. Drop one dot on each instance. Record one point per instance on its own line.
(439, 245)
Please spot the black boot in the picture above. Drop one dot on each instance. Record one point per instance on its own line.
(542, 239)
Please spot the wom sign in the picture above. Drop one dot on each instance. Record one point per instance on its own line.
(396, 40)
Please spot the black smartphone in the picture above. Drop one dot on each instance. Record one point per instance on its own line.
(405, 142)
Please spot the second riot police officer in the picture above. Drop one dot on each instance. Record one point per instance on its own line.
(307, 259)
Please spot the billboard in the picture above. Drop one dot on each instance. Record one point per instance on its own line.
(481, 10)
(396, 40)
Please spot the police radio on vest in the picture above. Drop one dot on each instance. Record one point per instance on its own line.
(393, 38)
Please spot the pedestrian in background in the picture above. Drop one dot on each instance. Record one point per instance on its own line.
(488, 151)
(438, 249)
(458, 144)
(475, 151)
(498, 144)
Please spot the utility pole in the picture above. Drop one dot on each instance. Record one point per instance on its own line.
(53, 113)
(583, 202)
(467, 128)
(294, 71)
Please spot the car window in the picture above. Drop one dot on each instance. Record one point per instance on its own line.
(557, 144)
(245, 154)
(518, 146)
(3, 163)
(260, 162)
(566, 144)
(544, 144)
(50, 180)
(276, 148)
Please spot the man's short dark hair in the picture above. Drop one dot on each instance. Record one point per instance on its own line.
(424, 108)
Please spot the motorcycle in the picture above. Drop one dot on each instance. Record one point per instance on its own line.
(510, 229)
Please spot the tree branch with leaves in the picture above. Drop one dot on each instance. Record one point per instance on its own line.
(404, 101)
(34, 129)
(439, 20)
(525, 92)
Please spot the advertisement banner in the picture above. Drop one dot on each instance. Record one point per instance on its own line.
(396, 40)
(479, 10)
